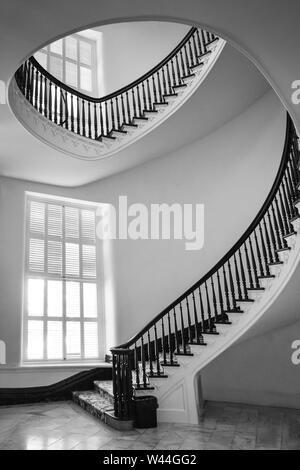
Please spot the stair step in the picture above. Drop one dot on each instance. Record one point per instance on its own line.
(280, 250)
(157, 376)
(93, 403)
(170, 364)
(255, 289)
(244, 300)
(275, 263)
(183, 354)
(292, 234)
(182, 85)
(141, 118)
(269, 276)
(105, 389)
(141, 387)
(189, 76)
(228, 312)
(170, 95)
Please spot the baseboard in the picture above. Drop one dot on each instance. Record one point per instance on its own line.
(61, 390)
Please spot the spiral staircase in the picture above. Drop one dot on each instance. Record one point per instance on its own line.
(165, 358)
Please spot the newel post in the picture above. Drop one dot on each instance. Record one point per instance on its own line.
(122, 382)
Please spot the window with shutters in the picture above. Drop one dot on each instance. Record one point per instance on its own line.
(61, 321)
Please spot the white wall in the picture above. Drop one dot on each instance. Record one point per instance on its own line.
(218, 171)
(257, 371)
(131, 49)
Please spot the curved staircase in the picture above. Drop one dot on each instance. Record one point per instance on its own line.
(94, 128)
(165, 358)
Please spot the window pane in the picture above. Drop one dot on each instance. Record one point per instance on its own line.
(41, 57)
(54, 220)
(71, 47)
(73, 339)
(54, 340)
(85, 49)
(89, 261)
(71, 222)
(56, 67)
(37, 217)
(91, 340)
(88, 224)
(36, 255)
(71, 74)
(54, 299)
(85, 79)
(54, 257)
(89, 300)
(56, 47)
(35, 339)
(72, 259)
(73, 299)
(35, 297)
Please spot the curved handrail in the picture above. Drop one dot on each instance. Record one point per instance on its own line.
(136, 82)
(223, 290)
(99, 118)
(236, 246)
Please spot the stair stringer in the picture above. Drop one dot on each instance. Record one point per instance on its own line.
(84, 148)
(177, 394)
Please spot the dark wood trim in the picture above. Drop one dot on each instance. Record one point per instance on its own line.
(59, 391)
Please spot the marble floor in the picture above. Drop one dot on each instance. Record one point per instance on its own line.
(65, 426)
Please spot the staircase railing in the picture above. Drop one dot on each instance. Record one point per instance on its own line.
(209, 301)
(98, 118)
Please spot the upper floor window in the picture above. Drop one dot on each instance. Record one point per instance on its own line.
(73, 61)
(61, 311)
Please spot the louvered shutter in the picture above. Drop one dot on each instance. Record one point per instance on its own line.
(61, 282)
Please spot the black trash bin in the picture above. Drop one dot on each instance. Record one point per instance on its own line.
(145, 412)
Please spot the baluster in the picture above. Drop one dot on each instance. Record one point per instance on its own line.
(143, 362)
(154, 89)
(190, 335)
(36, 90)
(272, 235)
(50, 101)
(163, 341)
(258, 252)
(187, 60)
(112, 115)
(95, 122)
(156, 351)
(210, 322)
(133, 103)
(221, 303)
(184, 72)
(123, 110)
(195, 49)
(72, 114)
(214, 299)
(137, 367)
(150, 354)
(204, 48)
(27, 80)
(254, 265)
(149, 95)
(268, 242)
(177, 343)
(89, 120)
(284, 209)
(170, 91)
(226, 290)
(198, 329)
(199, 43)
(251, 283)
(32, 86)
(231, 284)
(55, 104)
(202, 311)
(293, 181)
(41, 95)
(243, 276)
(170, 340)
(174, 82)
(83, 118)
(45, 97)
(164, 84)
(118, 113)
(159, 87)
(139, 101)
(264, 250)
(289, 198)
(238, 279)
(179, 81)
(280, 222)
(106, 120)
(276, 228)
(182, 329)
(192, 59)
(128, 108)
(101, 121)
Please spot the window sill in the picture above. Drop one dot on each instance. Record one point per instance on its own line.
(46, 367)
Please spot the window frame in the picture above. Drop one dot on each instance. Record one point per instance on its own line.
(93, 67)
(99, 319)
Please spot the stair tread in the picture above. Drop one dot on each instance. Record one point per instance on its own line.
(105, 385)
(93, 403)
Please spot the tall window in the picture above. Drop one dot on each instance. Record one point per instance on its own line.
(72, 60)
(61, 320)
